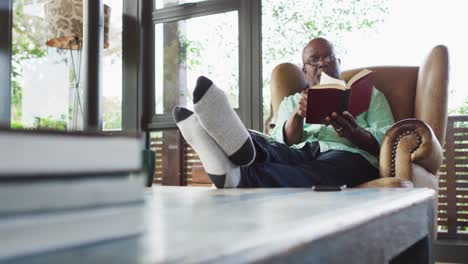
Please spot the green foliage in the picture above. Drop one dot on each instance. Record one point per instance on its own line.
(462, 110)
(50, 123)
(294, 23)
(189, 51)
(16, 125)
(16, 102)
(46, 123)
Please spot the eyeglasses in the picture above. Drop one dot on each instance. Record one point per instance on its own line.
(315, 61)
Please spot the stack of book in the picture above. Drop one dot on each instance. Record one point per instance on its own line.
(60, 190)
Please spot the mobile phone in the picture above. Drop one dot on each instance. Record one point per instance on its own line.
(328, 188)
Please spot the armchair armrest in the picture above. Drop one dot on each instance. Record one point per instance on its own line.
(406, 142)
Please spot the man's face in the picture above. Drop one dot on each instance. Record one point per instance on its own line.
(318, 56)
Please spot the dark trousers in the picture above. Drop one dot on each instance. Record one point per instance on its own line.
(278, 165)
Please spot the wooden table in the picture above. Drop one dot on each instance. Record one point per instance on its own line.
(200, 225)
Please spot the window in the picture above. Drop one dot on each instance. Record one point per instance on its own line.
(402, 39)
(189, 48)
(38, 99)
(287, 26)
(43, 100)
(216, 38)
(366, 33)
(193, 38)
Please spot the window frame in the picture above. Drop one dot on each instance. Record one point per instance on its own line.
(137, 50)
(138, 60)
(249, 19)
(5, 61)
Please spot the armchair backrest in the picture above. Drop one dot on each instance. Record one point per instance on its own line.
(412, 92)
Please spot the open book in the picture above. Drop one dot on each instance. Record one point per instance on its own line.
(326, 98)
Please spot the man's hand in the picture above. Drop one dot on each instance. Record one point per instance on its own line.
(301, 107)
(346, 126)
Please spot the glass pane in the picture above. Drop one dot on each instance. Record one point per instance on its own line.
(47, 91)
(303, 20)
(366, 33)
(403, 40)
(112, 70)
(167, 3)
(186, 49)
(41, 75)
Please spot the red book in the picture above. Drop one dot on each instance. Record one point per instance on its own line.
(324, 99)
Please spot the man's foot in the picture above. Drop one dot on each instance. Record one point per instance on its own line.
(220, 170)
(222, 123)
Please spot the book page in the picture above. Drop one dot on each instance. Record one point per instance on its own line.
(329, 86)
(358, 76)
(327, 81)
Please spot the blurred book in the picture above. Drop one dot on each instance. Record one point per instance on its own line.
(60, 190)
(17, 197)
(38, 153)
(43, 232)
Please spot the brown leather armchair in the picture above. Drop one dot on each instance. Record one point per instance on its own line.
(411, 151)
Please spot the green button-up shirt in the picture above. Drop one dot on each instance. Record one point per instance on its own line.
(377, 120)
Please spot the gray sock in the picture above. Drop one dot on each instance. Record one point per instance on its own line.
(221, 171)
(222, 123)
